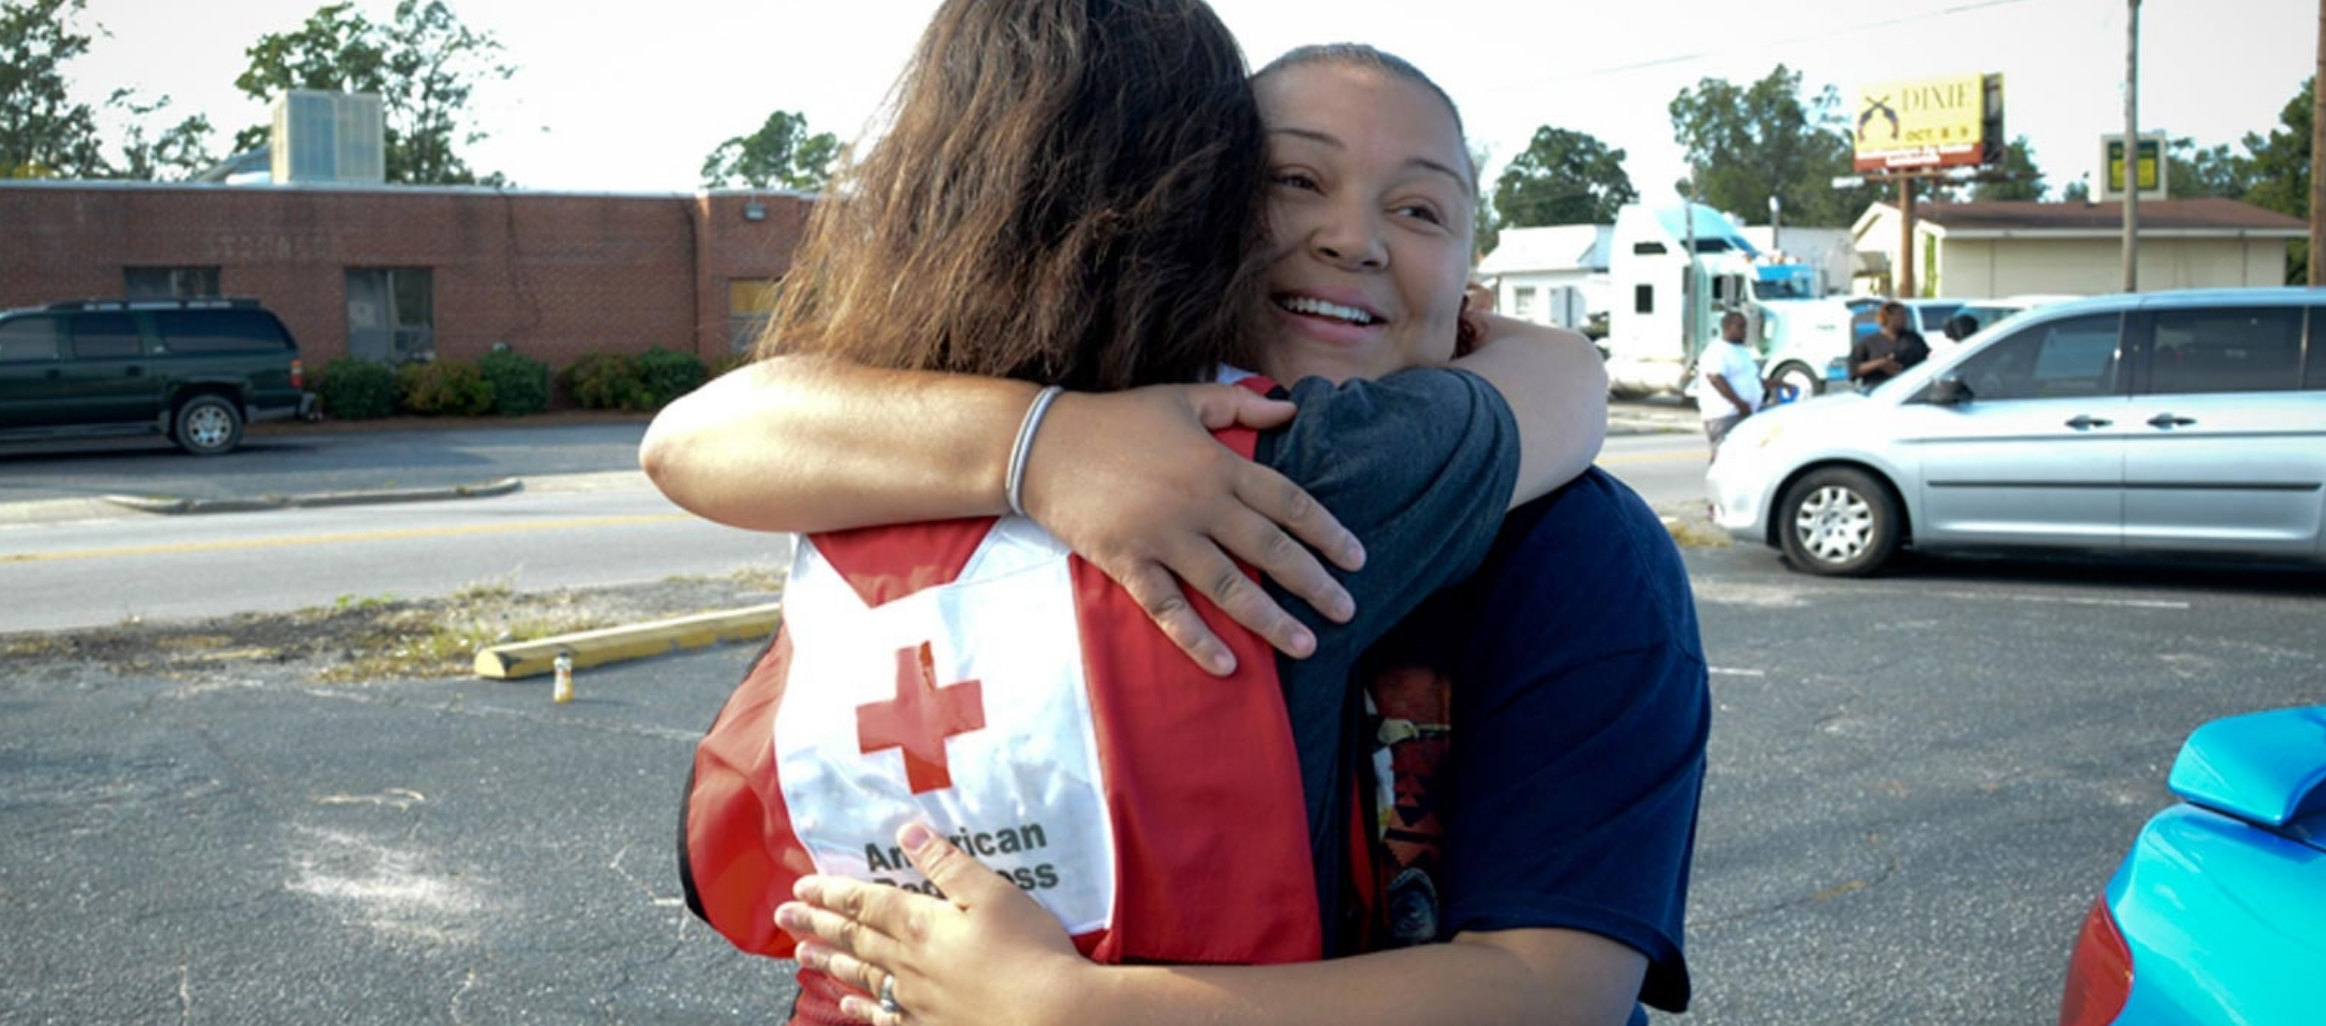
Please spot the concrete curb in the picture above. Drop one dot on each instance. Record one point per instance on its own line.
(635, 641)
(173, 505)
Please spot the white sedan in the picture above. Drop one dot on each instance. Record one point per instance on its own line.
(2170, 422)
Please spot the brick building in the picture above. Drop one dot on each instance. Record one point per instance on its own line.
(403, 272)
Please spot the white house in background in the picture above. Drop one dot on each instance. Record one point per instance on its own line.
(2017, 248)
(1555, 275)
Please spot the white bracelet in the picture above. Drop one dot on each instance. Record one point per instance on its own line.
(1025, 444)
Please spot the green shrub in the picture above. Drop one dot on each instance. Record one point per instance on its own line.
(444, 387)
(357, 389)
(520, 384)
(668, 374)
(734, 361)
(606, 381)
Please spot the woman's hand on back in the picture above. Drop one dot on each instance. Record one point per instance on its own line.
(1134, 482)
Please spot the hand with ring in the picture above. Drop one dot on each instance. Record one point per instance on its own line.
(888, 1005)
(985, 953)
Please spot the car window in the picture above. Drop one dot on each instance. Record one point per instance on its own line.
(2062, 359)
(106, 336)
(1934, 316)
(218, 331)
(2236, 350)
(28, 339)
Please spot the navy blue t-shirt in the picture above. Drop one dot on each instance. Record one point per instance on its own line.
(1581, 708)
(1420, 466)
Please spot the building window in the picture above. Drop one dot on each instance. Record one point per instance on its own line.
(750, 304)
(1522, 302)
(391, 314)
(170, 282)
(1643, 299)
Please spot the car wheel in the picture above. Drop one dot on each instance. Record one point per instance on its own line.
(1804, 382)
(1839, 522)
(208, 425)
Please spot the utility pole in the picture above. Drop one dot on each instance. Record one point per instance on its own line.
(2132, 147)
(2318, 157)
(1903, 288)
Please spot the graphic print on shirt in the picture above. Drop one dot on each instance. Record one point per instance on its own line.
(1413, 710)
(990, 743)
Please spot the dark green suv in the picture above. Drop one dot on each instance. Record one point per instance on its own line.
(195, 370)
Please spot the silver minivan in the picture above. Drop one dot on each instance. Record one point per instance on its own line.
(2189, 422)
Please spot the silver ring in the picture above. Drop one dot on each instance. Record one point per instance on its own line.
(888, 996)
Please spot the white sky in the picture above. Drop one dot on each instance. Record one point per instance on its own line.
(624, 96)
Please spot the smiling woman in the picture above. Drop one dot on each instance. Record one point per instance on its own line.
(1368, 172)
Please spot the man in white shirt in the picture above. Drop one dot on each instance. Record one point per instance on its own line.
(1731, 386)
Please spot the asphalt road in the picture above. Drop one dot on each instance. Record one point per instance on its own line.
(1917, 785)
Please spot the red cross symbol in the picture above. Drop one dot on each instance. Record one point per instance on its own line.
(920, 718)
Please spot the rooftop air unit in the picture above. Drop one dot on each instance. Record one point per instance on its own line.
(329, 137)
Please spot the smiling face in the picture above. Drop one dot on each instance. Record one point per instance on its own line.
(1370, 207)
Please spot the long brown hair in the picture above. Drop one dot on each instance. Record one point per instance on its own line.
(1069, 192)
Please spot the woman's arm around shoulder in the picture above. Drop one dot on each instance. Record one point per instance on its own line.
(1131, 480)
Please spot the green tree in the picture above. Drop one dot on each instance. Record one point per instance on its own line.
(2280, 164)
(2280, 161)
(2025, 181)
(178, 151)
(1563, 177)
(43, 134)
(1750, 143)
(781, 155)
(2209, 172)
(424, 65)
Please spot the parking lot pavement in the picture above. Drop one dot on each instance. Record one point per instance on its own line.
(1918, 782)
(238, 848)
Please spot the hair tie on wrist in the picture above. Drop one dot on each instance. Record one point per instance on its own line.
(1025, 444)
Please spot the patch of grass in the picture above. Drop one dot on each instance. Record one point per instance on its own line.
(759, 578)
(485, 591)
(443, 641)
(1689, 534)
(29, 646)
(361, 603)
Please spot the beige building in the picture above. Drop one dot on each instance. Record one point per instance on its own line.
(1975, 250)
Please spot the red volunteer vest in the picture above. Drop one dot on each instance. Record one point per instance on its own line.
(976, 676)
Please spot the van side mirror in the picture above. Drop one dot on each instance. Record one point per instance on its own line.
(1949, 391)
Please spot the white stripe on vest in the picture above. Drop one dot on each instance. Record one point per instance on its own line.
(964, 706)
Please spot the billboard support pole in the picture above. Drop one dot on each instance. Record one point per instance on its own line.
(2132, 147)
(1903, 288)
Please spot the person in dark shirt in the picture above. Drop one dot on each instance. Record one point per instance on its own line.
(1569, 864)
(1885, 354)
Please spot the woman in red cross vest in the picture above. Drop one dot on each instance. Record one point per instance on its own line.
(975, 675)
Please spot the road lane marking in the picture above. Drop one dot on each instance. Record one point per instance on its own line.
(2068, 600)
(400, 534)
(1723, 671)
